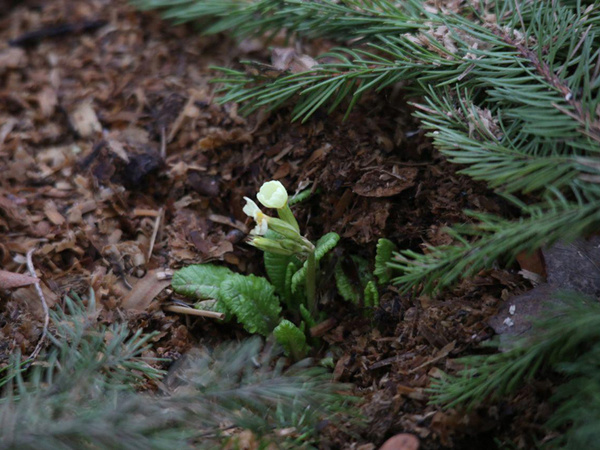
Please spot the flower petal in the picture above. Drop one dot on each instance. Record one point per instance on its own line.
(251, 209)
(272, 194)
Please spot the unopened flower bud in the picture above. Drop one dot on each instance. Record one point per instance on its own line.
(272, 194)
(280, 247)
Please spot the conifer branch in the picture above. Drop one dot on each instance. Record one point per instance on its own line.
(82, 392)
(492, 238)
(565, 334)
(346, 20)
(510, 90)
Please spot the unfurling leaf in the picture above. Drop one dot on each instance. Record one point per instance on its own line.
(345, 285)
(253, 301)
(291, 338)
(277, 267)
(307, 316)
(382, 271)
(324, 245)
(371, 295)
(300, 197)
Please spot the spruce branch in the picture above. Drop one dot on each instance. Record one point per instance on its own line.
(583, 388)
(510, 90)
(340, 20)
(82, 392)
(567, 341)
(480, 245)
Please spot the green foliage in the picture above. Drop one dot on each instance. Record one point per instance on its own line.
(201, 281)
(307, 317)
(509, 90)
(493, 237)
(371, 295)
(567, 341)
(245, 18)
(291, 338)
(563, 337)
(360, 285)
(116, 359)
(81, 392)
(324, 245)
(277, 266)
(280, 269)
(253, 301)
(300, 197)
(583, 388)
(346, 286)
(383, 256)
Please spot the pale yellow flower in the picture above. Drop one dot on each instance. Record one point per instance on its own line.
(252, 210)
(272, 194)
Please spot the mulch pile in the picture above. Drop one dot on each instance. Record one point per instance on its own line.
(116, 164)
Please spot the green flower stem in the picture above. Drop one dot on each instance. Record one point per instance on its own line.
(311, 280)
(286, 215)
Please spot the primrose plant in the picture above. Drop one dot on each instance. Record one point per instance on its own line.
(291, 262)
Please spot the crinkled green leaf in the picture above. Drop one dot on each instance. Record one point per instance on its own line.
(383, 256)
(345, 286)
(307, 316)
(253, 301)
(300, 197)
(323, 246)
(293, 299)
(291, 338)
(277, 267)
(371, 295)
(201, 281)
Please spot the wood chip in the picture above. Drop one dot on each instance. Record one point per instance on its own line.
(10, 280)
(52, 213)
(85, 121)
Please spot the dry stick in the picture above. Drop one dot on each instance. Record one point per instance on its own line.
(194, 312)
(154, 233)
(38, 288)
(163, 143)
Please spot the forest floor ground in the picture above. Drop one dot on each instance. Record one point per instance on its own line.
(116, 163)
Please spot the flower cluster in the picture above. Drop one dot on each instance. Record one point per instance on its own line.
(288, 239)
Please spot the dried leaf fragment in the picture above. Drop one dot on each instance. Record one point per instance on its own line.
(144, 291)
(11, 280)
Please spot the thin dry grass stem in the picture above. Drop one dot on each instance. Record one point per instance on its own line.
(194, 312)
(40, 293)
(155, 232)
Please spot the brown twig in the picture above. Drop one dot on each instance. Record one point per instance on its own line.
(38, 288)
(194, 312)
(321, 328)
(155, 232)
